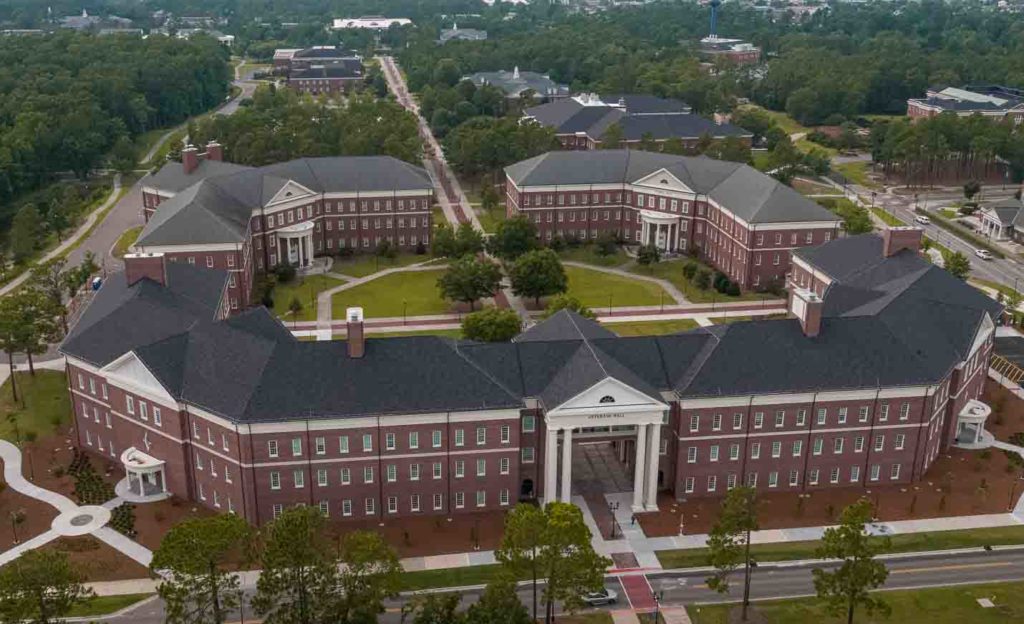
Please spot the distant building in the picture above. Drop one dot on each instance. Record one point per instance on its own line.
(514, 83)
(581, 122)
(1002, 220)
(736, 51)
(134, 32)
(465, 34)
(93, 22)
(304, 58)
(994, 101)
(327, 79)
(188, 33)
(370, 22)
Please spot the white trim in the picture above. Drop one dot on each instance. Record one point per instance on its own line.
(768, 434)
(810, 397)
(372, 421)
(189, 248)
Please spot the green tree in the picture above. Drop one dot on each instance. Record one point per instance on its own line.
(568, 302)
(299, 582)
(512, 238)
(370, 573)
(729, 541)
(447, 72)
(499, 605)
(40, 587)
(538, 273)
(437, 609)
(122, 156)
(567, 559)
(971, 189)
(849, 586)
(648, 255)
(469, 279)
(51, 279)
(521, 545)
(491, 325)
(958, 265)
(468, 240)
(26, 234)
(489, 198)
(36, 322)
(443, 244)
(612, 137)
(196, 553)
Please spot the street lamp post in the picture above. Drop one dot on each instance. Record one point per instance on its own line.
(613, 507)
(658, 596)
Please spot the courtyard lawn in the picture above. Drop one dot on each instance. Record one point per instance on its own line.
(652, 328)
(787, 123)
(449, 333)
(305, 289)
(409, 293)
(126, 240)
(908, 542)
(587, 254)
(808, 146)
(886, 218)
(940, 605)
(725, 320)
(365, 264)
(105, 605)
(808, 187)
(599, 290)
(489, 219)
(672, 271)
(450, 577)
(43, 404)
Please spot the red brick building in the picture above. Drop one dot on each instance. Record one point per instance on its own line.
(877, 372)
(737, 219)
(245, 220)
(991, 101)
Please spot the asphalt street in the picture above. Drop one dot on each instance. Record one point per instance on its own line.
(779, 580)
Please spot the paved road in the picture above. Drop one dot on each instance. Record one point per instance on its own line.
(1008, 271)
(770, 581)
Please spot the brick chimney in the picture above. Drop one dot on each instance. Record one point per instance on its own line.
(356, 341)
(189, 159)
(214, 151)
(807, 306)
(140, 265)
(896, 239)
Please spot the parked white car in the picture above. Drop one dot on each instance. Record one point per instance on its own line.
(923, 220)
(604, 597)
(984, 254)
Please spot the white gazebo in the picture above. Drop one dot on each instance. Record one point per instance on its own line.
(970, 425)
(296, 244)
(145, 473)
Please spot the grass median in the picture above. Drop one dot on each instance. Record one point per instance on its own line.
(105, 605)
(910, 542)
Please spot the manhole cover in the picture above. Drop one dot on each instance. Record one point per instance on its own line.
(81, 520)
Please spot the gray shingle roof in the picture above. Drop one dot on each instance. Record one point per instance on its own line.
(217, 209)
(173, 179)
(514, 83)
(746, 192)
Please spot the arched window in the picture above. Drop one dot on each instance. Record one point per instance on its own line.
(607, 399)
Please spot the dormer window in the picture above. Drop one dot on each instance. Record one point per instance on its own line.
(607, 399)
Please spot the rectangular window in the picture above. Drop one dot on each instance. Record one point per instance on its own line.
(854, 474)
(296, 447)
(794, 478)
(529, 424)
(798, 448)
(865, 412)
(527, 454)
(503, 465)
(324, 508)
(346, 507)
(367, 442)
(272, 448)
(713, 452)
(900, 439)
(751, 479)
(801, 418)
(389, 441)
(813, 477)
(833, 476)
(278, 509)
(822, 414)
(370, 506)
(818, 444)
(737, 421)
(321, 477)
(842, 415)
(460, 437)
(858, 444)
(436, 471)
(689, 485)
(506, 434)
(481, 436)
(712, 483)
(481, 467)
(895, 472)
(776, 449)
(275, 480)
(755, 450)
(438, 502)
(734, 452)
(392, 504)
(367, 474)
(299, 477)
(758, 420)
(414, 440)
(716, 422)
(346, 476)
(780, 419)
(391, 473)
(773, 479)
(884, 413)
(481, 498)
(691, 455)
(875, 471)
(130, 406)
(460, 500)
(904, 413)
(694, 423)
(414, 502)
(414, 472)
(837, 446)
(503, 497)
(460, 468)
(435, 438)
(321, 446)
(879, 442)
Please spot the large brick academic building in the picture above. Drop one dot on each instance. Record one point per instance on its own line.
(876, 371)
(245, 220)
(737, 219)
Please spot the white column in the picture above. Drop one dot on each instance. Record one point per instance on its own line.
(566, 465)
(551, 465)
(643, 231)
(638, 467)
(653, 455)
(309, 249)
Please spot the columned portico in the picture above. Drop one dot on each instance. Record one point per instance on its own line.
(659, 230)
(609, 403)
(296, 244)
(144, 472)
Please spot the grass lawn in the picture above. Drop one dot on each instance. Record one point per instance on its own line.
(672, 271)
(305, 289)
(886, 217)
(44, 403)
(787, 123)
(909, 542)
(363, 265)
(652, 328)
(1006, 290)
(857, 172)
(805, 145)
(588, 255)
(940, 605)
(412, 293)
(126, 240)
(600, 290)
(450, 333)
(594, 617)
(725, 320)
(105, 605)
(450, 577)
(489, 219)
(807, 187)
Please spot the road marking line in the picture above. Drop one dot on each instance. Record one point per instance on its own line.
(965, 566)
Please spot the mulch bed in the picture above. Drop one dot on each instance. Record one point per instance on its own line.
(958, 483)
(96, 560)
(433, 535)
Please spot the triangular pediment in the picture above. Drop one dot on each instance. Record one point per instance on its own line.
(129, 372)
(609, 395)
(984, 331)
(664, 180)
(291, 190)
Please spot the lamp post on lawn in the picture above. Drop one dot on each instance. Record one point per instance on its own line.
(613, 507)
(1013, 490)
(658, 596)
